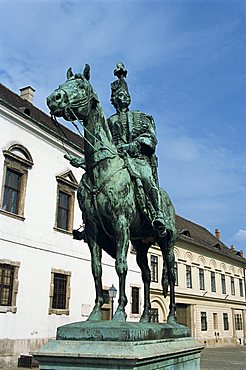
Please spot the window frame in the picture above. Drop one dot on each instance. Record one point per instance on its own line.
(154, 315)
(226, 321)
(137, 304)
(213, 281)
(238, 321)
(65, 310)
(241, 292)
(66, 184)
(14, 286)
(188, 276)
(233, 290)
(201, 279)
(204, 322)
(18, 160)
(223, 284)
(154, 268)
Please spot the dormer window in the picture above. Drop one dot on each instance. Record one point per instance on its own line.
(185, 232)
(217, 246)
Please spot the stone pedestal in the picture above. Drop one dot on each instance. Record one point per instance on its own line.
(109, 345)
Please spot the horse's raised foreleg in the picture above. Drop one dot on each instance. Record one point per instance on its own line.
(142, 261)
(96, 255)
(122, 242)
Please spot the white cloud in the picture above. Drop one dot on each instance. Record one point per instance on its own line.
(240, 236)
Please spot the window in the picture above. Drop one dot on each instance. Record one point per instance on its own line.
(238, 322)
(67, 184)
(154, 315)
(201, 279)
(226, 321)
(135, 301)
(204, 321)
(11, 193)
(64, 205)
(59, 292)
(188, 277)
(215, 320)
(232, 286)
(241, 287)
(223, 284)
(213, 283)
(8, 285)
(154, 268)
(17, 162)
(176, 273)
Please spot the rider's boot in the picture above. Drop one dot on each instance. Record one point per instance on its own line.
(158, 222)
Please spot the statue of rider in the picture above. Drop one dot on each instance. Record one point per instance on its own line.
(134, 135)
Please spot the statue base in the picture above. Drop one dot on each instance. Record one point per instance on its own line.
(113, 345)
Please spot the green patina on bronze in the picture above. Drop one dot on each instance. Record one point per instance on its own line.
(119, 195)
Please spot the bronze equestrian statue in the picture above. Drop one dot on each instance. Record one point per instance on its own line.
(115, 196)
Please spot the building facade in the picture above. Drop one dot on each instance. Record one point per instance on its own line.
(210, 286)
(45, 275)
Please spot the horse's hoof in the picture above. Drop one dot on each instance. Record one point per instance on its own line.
(119, 316)
(95, 315)
(145, 318)
(171, 319)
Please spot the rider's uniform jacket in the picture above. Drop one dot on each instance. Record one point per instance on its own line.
(137, 128)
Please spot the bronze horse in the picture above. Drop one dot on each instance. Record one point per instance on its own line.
(106, 197)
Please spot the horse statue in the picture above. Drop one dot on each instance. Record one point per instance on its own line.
(106, 196)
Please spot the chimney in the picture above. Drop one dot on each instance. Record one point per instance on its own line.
(27, 93)
(217, 234)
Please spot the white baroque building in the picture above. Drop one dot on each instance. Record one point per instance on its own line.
(45, 275)
(210, 286)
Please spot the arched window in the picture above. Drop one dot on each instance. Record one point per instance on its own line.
(18, 161)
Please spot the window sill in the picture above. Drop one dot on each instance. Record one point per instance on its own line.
(13, 215)
(54, 311)
(5, 309)
(135, 315)
(63, 231)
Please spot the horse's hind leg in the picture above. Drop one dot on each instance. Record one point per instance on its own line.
(168, 274)
(96, 256)
(142, 261)
(171, 277)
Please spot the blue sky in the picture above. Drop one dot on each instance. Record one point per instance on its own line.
(186, 66)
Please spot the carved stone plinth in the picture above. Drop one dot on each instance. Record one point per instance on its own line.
(109, 345)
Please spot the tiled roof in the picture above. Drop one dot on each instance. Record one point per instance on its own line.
(187, 230)
(42, 119)
(197, 234)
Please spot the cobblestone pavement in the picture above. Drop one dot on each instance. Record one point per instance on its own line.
(224, 358)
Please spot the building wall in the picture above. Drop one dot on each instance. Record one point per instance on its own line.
(191, 302)
(37, 247)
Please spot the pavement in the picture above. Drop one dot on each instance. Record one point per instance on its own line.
(220, 358)
(224, 358)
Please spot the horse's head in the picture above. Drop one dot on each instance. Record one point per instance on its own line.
(74, 98)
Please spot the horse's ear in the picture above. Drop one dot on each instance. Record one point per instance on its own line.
(69, 73)
(86, 72)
